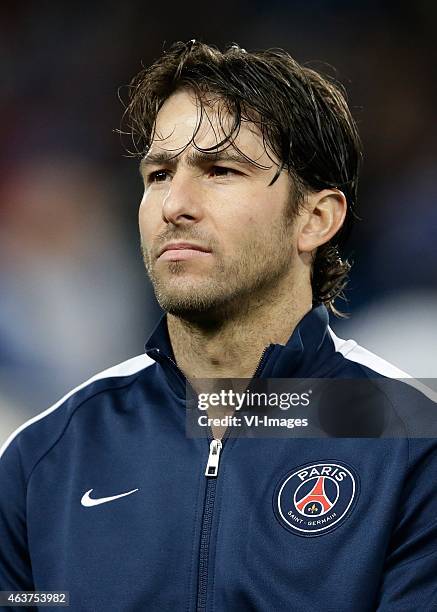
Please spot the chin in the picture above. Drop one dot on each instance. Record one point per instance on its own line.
(178, 305)
(190, 304)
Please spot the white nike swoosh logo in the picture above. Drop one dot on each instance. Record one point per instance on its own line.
(88, 501)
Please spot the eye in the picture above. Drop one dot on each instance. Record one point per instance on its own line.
(222, 171)
(158, 176)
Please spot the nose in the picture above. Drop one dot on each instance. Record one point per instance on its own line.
(182, 203)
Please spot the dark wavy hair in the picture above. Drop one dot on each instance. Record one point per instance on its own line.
(303, 118)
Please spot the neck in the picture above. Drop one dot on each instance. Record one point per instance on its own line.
(231, 346)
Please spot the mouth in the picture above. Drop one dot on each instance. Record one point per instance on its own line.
(178, 251)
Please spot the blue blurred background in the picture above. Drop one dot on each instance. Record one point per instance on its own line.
(74, 298)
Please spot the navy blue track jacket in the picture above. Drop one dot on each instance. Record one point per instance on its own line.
(104, 496)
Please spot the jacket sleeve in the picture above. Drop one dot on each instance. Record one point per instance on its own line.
(15, 567)
(410, 573)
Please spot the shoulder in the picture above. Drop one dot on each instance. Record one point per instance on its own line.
(412, 399)
(377, 367)
(356, 353)
(33, 438)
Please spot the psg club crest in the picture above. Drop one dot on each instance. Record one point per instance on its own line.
(316, 498)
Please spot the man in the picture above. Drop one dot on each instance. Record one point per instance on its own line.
(250, 166)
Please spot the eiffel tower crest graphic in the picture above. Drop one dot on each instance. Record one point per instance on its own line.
(316, 502)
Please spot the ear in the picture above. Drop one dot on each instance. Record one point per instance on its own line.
(323, 215)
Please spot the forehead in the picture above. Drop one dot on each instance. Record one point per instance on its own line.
(184, 118)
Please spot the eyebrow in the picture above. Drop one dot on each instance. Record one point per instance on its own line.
(193, 159)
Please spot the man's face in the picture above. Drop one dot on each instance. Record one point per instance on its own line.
(228, 236)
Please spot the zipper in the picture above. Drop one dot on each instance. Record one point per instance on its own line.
(262, 360)
(205, 534)
(212, 466)
(211, 474)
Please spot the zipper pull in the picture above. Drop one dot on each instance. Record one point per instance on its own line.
(213, 460)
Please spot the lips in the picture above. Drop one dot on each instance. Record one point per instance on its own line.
(176, 251)
(180, 246)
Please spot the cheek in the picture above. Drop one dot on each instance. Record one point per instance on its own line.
(142, 221)
(142, 212)
(242, 235)
(244, 225)
(148, 219)
(259, 231)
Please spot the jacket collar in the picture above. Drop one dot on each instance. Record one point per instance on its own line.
(304, 355)
(307, 350)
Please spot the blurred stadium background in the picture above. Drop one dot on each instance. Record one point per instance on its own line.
(73, 294)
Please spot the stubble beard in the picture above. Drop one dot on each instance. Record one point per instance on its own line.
(230, 288)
